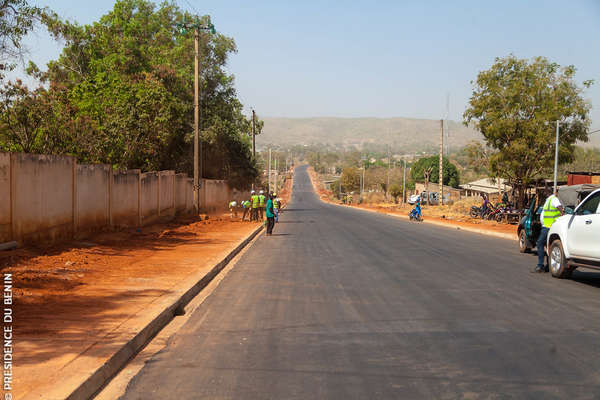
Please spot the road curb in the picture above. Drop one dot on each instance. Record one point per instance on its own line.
(98, 379)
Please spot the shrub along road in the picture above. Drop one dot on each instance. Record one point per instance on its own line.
(343, 303)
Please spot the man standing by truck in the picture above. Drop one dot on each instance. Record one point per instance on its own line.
(550, 212)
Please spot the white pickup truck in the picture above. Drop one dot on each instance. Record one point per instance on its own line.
(574, 238)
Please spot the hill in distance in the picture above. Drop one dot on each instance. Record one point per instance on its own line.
(402, 134)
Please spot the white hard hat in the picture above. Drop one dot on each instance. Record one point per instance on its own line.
(261, 192)
(252, 192)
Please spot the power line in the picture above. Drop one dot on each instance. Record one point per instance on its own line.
(597, 130)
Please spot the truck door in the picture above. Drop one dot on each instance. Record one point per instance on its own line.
(583, 236)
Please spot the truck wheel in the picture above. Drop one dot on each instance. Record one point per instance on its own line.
(523, 242)
(557, 261)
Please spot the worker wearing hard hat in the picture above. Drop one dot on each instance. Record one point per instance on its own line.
(233, 209)
(261, 204)
(246, 204)
(254, 199)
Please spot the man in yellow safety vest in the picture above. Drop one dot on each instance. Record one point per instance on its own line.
(550, 212)
(254, 200)
(246, 204)
(261, 204)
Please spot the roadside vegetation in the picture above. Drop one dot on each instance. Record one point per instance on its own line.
(121, 93)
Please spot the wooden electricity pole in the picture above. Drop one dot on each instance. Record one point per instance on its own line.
(196, 124)
(253, 133)
(441, 180)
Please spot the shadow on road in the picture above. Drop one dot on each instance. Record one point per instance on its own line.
(586, 277)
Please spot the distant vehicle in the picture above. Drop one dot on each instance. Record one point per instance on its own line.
(529, 227)
(574, 238)
(413, 199)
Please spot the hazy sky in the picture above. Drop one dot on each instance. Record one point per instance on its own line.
(378, 58)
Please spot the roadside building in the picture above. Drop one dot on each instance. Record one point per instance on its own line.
(578, 178)
(493, 188)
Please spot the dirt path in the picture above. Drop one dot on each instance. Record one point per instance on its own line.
(74, 296)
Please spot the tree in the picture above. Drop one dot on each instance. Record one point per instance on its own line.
(395, 191)
(515, 105)
(129, 77)
(17, 18)
(350, 179)
(419, 169)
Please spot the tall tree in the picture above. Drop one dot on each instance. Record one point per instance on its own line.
(431, 164)
(515, 105)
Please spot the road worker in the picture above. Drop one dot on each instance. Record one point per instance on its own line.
(276, 205)
(233, 209)
(550, 212)
(262, 201)
(246, 204)
(254, 199)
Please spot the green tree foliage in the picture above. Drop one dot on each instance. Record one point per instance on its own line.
(584, 159)
(17, 18)
(395, 191)
(128, 78)
(451, 176)
(350, 179)
(515, 105)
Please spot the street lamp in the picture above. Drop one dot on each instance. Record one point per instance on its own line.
(556, 155)
(184, 27)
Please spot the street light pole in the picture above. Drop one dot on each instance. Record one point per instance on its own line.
(556, 158)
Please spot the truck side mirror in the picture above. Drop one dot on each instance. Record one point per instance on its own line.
(569, 210)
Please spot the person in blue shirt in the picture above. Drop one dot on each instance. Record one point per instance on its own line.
(270, 215)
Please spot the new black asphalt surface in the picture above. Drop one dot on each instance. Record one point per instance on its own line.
(346, 304)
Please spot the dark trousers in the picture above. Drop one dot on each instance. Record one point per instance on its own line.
(254, 214)
(541, 243)
(245, 213)
(261, 212)
(270, 225)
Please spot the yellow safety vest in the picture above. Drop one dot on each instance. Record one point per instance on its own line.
(261, 198)
(276, 203)
(550, 212)
(254, 199)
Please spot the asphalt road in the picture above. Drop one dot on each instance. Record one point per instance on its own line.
(346, 304)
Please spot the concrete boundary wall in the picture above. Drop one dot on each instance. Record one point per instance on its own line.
(46, 197)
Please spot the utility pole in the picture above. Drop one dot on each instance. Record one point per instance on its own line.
(276, 176)
(253, 133)
(441, 176)
(196, 123)
(197, 27)
(556, 158)
(404, 183)
(362, 187)
(269, 180)
(387, 188)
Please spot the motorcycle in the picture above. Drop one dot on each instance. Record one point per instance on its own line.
(415, 215)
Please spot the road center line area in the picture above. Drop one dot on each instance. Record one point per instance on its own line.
(343, 304)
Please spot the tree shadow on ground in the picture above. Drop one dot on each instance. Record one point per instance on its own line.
(60, 325)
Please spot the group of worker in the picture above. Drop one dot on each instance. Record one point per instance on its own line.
(257, 207)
